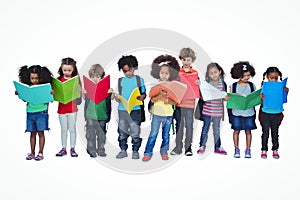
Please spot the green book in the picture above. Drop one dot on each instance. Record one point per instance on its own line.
(65, 92)
(241, 102)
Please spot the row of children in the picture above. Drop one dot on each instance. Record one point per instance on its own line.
(165, 68)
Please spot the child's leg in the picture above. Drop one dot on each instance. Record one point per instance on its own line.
(265, 125)
(101, 136)
(32, 142)
(189, 121)
(216, 131)
(205, 129)
(166, 126)
(179, 132)
(41, 141)
(248, 138)
(91, 135)
(236, 134)
(155, 124)
(63, 120)
(275, 123)
(72, 128)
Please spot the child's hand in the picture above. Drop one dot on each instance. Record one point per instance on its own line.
(163, 93)
(262, 96)
(110, 90)
(117, 99)
(141, 97)
(197, 82)
(286, 89)
(226, 98)
(52, 92)
(16, 93)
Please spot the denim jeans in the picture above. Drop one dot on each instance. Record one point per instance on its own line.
(155, 125)
(95, 131)
(186, 121)
(37, 121)
(129, 125)
(68, 122)
(216, 131)
(270, 121)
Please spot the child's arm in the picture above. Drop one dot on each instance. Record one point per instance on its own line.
(141, 97)
(286, 89)
(162, 95)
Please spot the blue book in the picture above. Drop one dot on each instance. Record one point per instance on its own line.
(35, 94)
(274, 94)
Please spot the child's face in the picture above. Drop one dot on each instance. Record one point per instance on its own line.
(214, 73)
(164, 73)
(67, 70)
(128, 71)
(246, 77)
(273, 76)
(95, 78)
(186, 62)
(34, 78)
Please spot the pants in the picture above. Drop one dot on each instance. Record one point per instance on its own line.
(68, 122)
(95, 135)
(216, 130)
(270, 121)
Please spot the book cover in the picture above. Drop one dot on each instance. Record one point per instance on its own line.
(209, 92)
(132, 101)
(96, 92)
(274, 94)
(35, 94)
(241, 102)
(175, 90)
(65, 92)
(192, 91)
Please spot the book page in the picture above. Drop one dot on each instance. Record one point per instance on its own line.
(132, 101)
(193, 90)
(209, 92)
(65, 92)
(274, 94)
(96, 92)
(241, 102)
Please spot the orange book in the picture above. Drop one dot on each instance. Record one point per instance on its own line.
(174, 89)
(193, 90)
(96, 92)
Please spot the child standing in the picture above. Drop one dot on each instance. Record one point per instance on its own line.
(37, 114)
(242, 119)
(129, 124)
(184, 112)
(164, 68)
(271, 118)
(67, 113)
(213, 110)
(96, 116)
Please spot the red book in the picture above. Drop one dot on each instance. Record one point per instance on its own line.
(193, 90)
(96, 92)
(175, 90)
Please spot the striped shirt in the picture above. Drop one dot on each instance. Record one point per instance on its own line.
(214, 108)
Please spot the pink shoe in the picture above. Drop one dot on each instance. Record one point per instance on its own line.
(30, 156)
(264, 154)
(221, 151)
(201, 150)
(275, 154)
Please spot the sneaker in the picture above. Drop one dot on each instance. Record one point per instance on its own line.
(135, 155)
(164, 157)
(146, 158)
(93, 154)
(248, 153)
(73, 153)
(174, 152)
(275, 154)
(237, 153)
(201, 150)
(39, 157)
(263, 154)
(188, 153)
(102, 154)
(220, 151)
(121, 154)
(30, 156)
(62, 152)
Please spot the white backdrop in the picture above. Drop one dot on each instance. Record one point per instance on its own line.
(265, 33)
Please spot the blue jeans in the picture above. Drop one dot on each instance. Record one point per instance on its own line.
(129, 125)
(186, 121)
(155, 125)
(95, 135)
(216, 130)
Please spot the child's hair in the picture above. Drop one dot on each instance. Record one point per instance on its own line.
(238, 69)
(270, 70)
(216, 65)
(130, 60)
(68, 61)
(165, 60)
(187, 52)
(44, 74)
(96, 69)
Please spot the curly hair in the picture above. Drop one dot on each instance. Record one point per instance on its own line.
(212, 65)
(130, 60)
(96, 69)
(165, 60)
(187, 52)
(68, 61)
(44, 74)
(238, 69)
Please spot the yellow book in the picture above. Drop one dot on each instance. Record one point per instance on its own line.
(132, 101)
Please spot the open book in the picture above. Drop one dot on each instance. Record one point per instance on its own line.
(192, 91)
(174, 89)
(209, 92)
(96, 92)
(132, 101)
(274, 94)
(35, 94)
(241, 102)
(65, 92)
